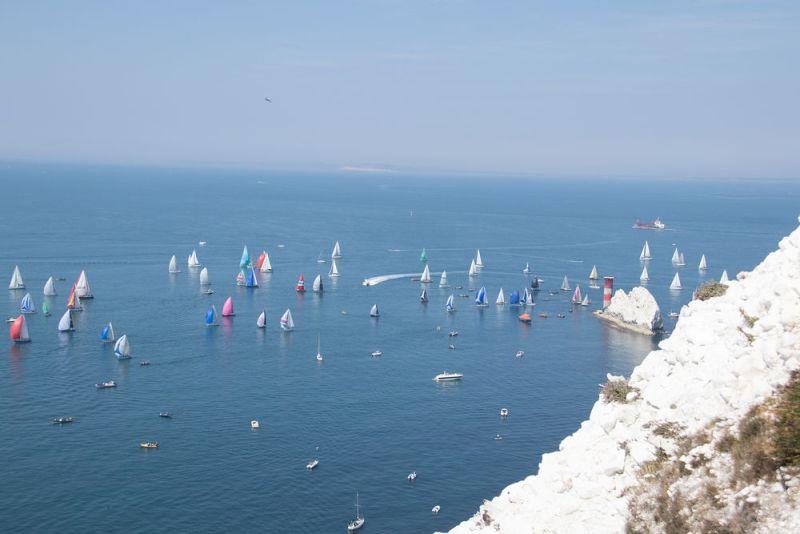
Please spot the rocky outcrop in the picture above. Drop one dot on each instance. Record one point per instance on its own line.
(637, 311)
(725, 355)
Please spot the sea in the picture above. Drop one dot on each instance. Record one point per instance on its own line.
(369, 420)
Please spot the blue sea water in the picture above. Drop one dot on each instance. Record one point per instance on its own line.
(374, 420)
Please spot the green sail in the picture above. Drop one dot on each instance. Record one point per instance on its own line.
(424, 256)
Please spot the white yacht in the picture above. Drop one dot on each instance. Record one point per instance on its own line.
(312, 464)
(448, 376)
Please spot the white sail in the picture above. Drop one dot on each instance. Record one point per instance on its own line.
(585, 301)
(266, 267)
(527, 298)
(16, 280)
(261, 322)
(65, 324)
(316, 287)
(173, 265)
(334, 271)
(450, 305)
(426, 275)
(473, 270)
(724, 278)
(50, 287)
(676, 282)
(193, 261)
(287, 323)
(593, 275)
(645, 276)
(23, 332)
(645, 255)
(681, 260)
(478, 259)
(527, 269)
(373, 312)
(204, 280)
(501, 298)
(443, 279)
(122, 348)
(703, 265)
(676, 256)
(565, 284)
(337, 251)
(82, 288)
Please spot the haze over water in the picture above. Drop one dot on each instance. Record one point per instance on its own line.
(373, 419)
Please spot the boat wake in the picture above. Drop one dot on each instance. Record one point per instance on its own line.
(375, 280)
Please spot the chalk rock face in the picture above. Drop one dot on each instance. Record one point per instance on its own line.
(637, 307)
(725, 355)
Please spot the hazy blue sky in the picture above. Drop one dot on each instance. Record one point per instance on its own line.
(677, 87)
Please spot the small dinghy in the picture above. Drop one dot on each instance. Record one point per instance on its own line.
(436, 509)
(412, 476)
(254, 424)
(287, 323)
(503, 412)
(520, 353)
(525, 318)
(498, 437)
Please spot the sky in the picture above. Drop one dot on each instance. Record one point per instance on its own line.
(700, 88)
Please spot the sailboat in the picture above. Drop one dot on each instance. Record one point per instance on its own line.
(478, 260)
(373, 312)
(204, 280)
(19, 330)
(301, 284)
(450, 305)
(358, 522)
(287, 323)
(317, 287)
(244, 261)
(576, 296)
(501, 298)
(337, 251)
(645, 255)
(122, 348)
(586, 301)
(212, 317)
(676, 282)
(74, 301)
(473, 270)
(681, 260)
(266, 265)
(593, 275)
(82, 288)
(535, 284)
(703, 264)
(107, 335)
(50, 288)
(193, 261)
(480, 298)
(724, 278)
(645, 276)
(16, 280)
(334, 271)
(319, 354)
(424, 256)
(424, 296)
(514, 299)
(565, 284)
(65, 324)
(425, 278)
(227, 308)
(45, 309)
(676, 257)
(251, 280)
(443, 279)
(26, 305)
(260, 260)
(173, 265)
(261, 322)
(527, 298)
(527, 269)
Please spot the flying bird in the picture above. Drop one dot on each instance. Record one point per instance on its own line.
(267, 99)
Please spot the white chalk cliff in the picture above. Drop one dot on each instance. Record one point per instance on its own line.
(637, 309)
(717, 363)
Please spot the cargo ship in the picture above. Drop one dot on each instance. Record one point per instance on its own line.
(654, 225)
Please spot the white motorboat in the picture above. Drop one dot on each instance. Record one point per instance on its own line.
(254, 424)
(498, 437)
(105, 385)
(376, 353)
(412, 476)
(312, 464)
(503, 412)
(447, 376)
(520, 353)
(436, 509)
